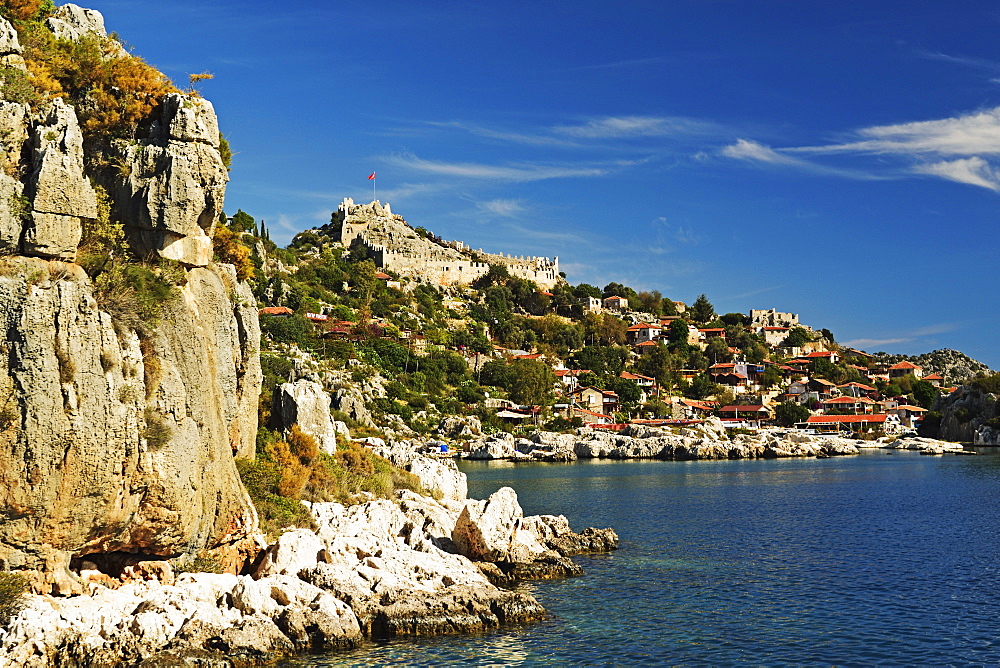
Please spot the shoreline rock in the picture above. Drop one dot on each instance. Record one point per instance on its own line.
(412, 566)
(708, 441)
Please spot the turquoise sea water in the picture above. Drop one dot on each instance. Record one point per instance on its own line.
(887, 558)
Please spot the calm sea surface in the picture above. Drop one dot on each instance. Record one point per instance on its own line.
(888, 558)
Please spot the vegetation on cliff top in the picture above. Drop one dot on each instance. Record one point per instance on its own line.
(113, 90)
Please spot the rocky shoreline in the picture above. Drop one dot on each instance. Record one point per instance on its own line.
(411, 566)
(707, 440)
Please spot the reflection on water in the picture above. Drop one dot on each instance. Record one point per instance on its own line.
(882, 558)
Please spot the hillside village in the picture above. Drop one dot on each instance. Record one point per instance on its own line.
(461, 332)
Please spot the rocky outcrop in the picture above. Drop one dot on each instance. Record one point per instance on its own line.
(965, 414)
(926, 446)
(116, 446)
(73, 22)
(454, 426)
(174, 191)
(495, 446)
(705, 441)
(305, 403)
(213, 618)
(60, 193)
(412, 566)
(10, 46)
(954, 366)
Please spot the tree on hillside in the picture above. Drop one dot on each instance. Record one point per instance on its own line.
(618, 290)
(771, 376)
(702, 310)
(678, 331)
(717, 350)
(788, 413)
(587, 290)
(602, 360)
(627, 390)
(530, 382)
(496, 275)
(242, 222)
(796, 338)
(649, 302)
(702, 386)
(732, 319)
(924, 393)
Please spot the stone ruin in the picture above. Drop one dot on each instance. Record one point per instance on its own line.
(396, 246)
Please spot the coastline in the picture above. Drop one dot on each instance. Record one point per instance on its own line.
(708, 440)
(408, 567)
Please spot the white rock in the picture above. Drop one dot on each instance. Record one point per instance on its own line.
(293, 551)
(441, 476)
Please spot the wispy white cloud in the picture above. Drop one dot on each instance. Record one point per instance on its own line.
(958, 149)
(536, 139)
(967, 61)
(974, 171)
(638, 126)
(745, 149)
(904, 337)
(667, 236)
(758, 291)
(751, 151)
(518, 173)
(969, 134)
(502, 207)
(873, 343)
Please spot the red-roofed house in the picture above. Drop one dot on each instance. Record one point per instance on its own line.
(713, 332)
(935, 379)
(277, 311)
(905, 369)
(616, 303)
(855, 405)
(647, 385)
(830, 355)
(907, 415)
(645, 347)
(599, 401)
(643, 331)
(889, 423)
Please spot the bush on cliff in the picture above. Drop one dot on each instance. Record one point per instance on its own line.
(990, 384)
(290, 470)
(13, 587)
(113, 91)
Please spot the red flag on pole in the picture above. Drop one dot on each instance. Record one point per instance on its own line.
(372, 177)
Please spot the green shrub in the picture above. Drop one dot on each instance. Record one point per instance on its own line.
(13, 588)
(156, 431)
(989, 384)
(133, 294)
(203, 562)
(286, 329)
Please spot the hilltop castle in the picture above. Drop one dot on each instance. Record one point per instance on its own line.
(396, 246)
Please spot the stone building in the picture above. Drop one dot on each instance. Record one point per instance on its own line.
(396, 246)
(772, 318)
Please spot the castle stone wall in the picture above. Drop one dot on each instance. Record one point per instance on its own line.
(395, 246)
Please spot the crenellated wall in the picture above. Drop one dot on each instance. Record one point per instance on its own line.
(395, 246)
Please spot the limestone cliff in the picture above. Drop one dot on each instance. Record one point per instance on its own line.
(117, 438)
(969, 415)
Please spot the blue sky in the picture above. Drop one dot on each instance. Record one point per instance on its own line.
(837, 160)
